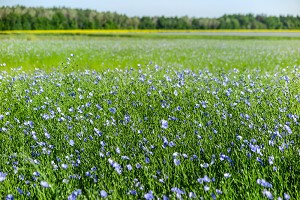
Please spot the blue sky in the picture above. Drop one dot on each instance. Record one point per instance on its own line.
(192, 8)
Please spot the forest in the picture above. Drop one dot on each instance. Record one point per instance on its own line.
(39, 18)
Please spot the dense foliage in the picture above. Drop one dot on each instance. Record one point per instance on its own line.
(170, 119)
(29, 18)
(149, 133)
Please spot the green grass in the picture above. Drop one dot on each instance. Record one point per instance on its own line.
(102, 53)
(228, 104)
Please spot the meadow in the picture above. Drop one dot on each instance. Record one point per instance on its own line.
(86, 117)
(175, 50)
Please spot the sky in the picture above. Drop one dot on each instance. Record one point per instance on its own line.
(191, 8)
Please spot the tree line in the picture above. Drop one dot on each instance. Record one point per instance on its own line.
(39, 18)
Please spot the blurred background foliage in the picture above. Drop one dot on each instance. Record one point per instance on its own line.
(39, 18)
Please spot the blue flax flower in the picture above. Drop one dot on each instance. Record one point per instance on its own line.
(9, 197)
(164, 124)
(267, 194)
(2, 176)
(264, 183)
(45, 184)
(74, 194)
(149, 195)
(103, 193)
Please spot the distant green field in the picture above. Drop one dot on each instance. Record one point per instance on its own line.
(149, 117)
(46, 52)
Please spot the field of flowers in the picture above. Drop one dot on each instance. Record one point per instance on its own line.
(94, 53)
(158, 119)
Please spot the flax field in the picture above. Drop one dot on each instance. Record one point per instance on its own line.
(86, 117)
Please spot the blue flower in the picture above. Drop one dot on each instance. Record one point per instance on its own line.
(205, 165)
(126, 119)
(219, 191)
(213, 196)
(260, 161)
(175, 92)
(99, 133)
(225, 157)
(264, 183)
(64, 166)
(71, 142)
(74, 194)
(206, 188)
(164, 124)
(103, 193)
(204, 104)
(177, 190)
(47, 135)
(2, 176)
(172, 144)
(88, 174)
(286, 196)
(133, 192)
(205, 179)
(149, 195)
(45, 184)
(65, 181)
(288, 129)
(20, 191)
(147, 160)
(176, 161)
(113, 110)
(267, 194)
(9, 197)
(138, 166)
(129, 167)
(227, 175)
(115, 165)
(256, 149)
(271, 160)
(192, 195)
(165, 197)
